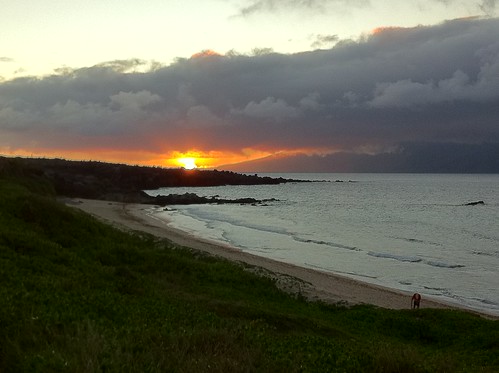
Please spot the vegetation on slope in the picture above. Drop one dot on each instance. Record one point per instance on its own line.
(107, 181)
(78, 295)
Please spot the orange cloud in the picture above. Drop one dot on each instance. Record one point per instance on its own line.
(205, 53)
(384, 29)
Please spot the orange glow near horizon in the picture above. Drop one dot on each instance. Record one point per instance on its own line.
(214, 159)
(201, 159)
(175, 159)
(99, 155)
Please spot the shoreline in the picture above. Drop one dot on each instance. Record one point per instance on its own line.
(312, 284)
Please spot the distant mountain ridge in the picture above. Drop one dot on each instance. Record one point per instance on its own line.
(407, 158)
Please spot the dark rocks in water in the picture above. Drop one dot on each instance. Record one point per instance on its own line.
(194, 199)
(474, 203)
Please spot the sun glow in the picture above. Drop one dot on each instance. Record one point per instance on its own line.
(188, 163)
(189, 160)
(198, 159)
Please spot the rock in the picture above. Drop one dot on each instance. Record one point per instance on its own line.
(194, 199)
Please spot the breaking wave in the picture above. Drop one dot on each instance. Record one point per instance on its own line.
(443, 264)
(327, 243)
(400, 258)
(414, 259)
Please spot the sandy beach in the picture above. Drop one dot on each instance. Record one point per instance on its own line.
(312, 284)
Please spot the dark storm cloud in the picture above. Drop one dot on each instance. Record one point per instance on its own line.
(437, 84)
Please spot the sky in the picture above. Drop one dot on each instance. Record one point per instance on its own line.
(296, 84)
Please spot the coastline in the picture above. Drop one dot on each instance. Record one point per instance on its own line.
(310, 283)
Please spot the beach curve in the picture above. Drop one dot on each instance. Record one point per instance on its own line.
(309, 283)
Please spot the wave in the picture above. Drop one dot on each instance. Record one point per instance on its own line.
(412, 240)
(443, 264)
(443, 292)
(416, 240)
(437, 289)
(400, 258)
(210, 218)
(486, 301)
(414, 259)
(495, 253)
(327, 243)
(336, 271)
(481, 236)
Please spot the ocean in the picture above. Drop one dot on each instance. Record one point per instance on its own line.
(411, 232)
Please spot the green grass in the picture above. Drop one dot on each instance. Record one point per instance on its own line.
(77, 295)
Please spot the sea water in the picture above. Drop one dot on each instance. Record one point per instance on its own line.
(409, 232)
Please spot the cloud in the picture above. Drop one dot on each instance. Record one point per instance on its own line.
(6, 59)
(130, 65)
(324, 40)
(310, 102)
(251, 7)
(406, 93)
(200, 116)
(398, 85)
(269, 109)
(255, 7)
(487, 7)
(135, 101)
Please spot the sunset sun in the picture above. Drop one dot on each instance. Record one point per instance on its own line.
(187, 163)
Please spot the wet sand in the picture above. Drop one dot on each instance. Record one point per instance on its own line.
(312, 284)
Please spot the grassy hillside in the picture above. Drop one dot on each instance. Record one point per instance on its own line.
(119, 182)
(77, 295)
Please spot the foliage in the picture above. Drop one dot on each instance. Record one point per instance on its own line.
(78, 295)
(119, 182)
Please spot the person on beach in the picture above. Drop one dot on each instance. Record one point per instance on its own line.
(415, 300)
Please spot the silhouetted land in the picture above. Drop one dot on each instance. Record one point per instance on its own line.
(124, 183)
